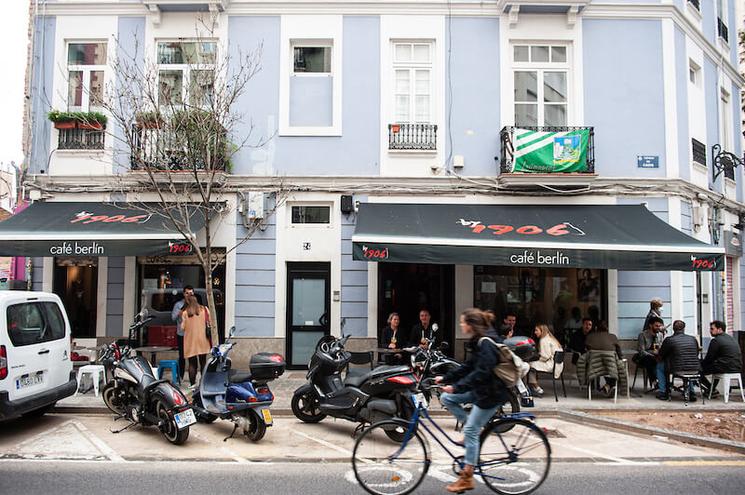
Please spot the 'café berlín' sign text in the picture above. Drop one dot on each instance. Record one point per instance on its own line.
(538, 257)
(77, 248)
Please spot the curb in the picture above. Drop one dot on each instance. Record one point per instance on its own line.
(717, 443)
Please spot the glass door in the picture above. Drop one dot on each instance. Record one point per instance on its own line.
(308, 309)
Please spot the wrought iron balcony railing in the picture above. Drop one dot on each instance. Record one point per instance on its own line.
(547, 150)
(164, 149)
(422, 137)
(80, 139)
(695, 4)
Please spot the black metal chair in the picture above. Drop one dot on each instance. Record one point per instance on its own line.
(360, 358)
(646, 380)
(558, 359)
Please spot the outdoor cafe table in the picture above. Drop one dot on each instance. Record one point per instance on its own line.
(384, 351)
(153, 350)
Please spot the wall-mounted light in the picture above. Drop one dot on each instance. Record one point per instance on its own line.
(724, 161)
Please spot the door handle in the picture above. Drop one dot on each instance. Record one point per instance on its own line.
(45, 351)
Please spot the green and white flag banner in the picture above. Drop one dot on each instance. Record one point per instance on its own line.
(550, 152)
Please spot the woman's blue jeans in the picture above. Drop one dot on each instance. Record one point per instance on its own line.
(473, 422)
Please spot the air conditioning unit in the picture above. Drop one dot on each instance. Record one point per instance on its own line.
(255, 202)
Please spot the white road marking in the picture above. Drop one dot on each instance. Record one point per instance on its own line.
(612, 460)
(225, 450)
(100, 444)
(323, 442)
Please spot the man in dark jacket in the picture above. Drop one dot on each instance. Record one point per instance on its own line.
(723, 355)
(423, 332)
(678, 354)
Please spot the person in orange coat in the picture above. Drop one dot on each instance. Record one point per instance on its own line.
(195, 320)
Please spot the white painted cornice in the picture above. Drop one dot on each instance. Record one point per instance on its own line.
(485, 8)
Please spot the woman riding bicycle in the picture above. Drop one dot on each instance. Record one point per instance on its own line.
(473, 383)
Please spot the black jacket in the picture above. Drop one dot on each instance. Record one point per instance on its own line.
(418, 332)
(680, 351)
(477, 375)
(723, 356)
(401, 337)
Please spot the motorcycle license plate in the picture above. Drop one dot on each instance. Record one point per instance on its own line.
(267, 414)
(185, 418)
(420, 399)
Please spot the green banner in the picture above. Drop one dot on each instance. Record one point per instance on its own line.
(550, 152)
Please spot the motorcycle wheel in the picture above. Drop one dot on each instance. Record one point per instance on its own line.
(112, 401)
(305, 407)
(169, 429)
(398, 433)
(202, 417)
(256, 428)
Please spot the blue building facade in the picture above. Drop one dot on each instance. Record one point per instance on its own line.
(391, 103)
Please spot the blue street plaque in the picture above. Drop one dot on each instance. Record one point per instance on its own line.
(647, 161)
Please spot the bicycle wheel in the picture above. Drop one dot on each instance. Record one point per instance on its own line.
(385, 467)
(515, 456)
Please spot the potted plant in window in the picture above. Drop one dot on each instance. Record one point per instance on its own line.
(149, 120)
(62, 120)
(94, 121)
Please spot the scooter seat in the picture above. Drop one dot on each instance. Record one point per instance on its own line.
(239, 376)
(356, 380)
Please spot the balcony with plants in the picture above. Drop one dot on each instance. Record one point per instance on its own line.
(79, 130)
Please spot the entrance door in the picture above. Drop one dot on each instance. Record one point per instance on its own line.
(76, 283)
(406, 288)
(308, 309)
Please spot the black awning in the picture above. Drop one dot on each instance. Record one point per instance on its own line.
(93, 229)
(624, 237)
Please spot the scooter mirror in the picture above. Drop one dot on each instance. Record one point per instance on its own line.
(232, 331)
(435, 327)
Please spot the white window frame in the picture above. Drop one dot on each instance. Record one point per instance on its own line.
(310, 30)
(723, 14)
(85, 105)
(726, 127)
(412, 67)
(541, 68)
(292, 225)
(186, 68)
(694, 73)
(298, 43)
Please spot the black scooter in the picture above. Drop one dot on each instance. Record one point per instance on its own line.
(134, 393)
(365, 398)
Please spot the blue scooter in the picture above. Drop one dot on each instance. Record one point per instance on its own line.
(242, 397)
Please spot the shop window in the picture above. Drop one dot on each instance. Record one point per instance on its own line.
(560, 297)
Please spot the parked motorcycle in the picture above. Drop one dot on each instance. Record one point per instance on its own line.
(133, 392)
(242, 397)
(365, 398)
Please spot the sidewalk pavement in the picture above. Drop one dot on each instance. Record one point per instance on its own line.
(576, 399)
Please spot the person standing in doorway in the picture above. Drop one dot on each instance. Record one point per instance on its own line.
(195, 318)
(422, 333)
(176, 316)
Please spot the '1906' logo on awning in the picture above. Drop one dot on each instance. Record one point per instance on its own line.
(375, 254)
(85, 217)
(560, 229)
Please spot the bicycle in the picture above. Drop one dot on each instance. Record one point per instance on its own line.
(514, 459)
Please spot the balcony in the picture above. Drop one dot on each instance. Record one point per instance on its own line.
(165, 149)
(186, 5)
(77, 138)
(412, 137)
(563, 155)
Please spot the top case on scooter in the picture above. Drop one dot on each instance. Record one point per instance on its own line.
(266, 366)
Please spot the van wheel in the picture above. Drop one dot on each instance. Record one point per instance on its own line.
(37, 413)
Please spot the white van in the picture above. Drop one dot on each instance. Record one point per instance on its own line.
(35, 366)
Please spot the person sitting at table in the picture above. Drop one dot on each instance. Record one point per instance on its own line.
(195, 320)
(422, 333)
(547, 346)
(602, 340)
(393, 338)
(678, 354)
(722, 357)
(577, 340)
(648, 345)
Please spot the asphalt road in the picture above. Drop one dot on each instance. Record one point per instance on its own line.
(45, 477)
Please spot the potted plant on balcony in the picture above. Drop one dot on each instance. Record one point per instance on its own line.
(94, 121)
(63, 120)
(149, 120)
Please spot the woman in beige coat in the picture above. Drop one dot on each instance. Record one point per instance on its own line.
(195, 318)
(547, 346)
